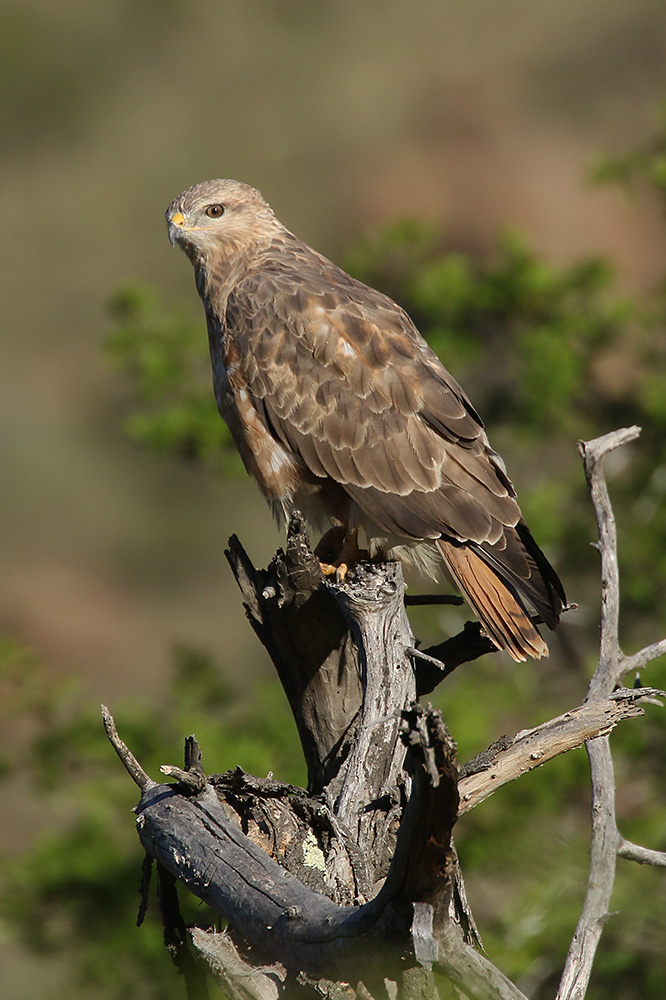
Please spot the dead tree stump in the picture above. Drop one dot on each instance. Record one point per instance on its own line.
(352, 887)
(346, 882)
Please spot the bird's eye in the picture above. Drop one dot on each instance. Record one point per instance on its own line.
(215, 211)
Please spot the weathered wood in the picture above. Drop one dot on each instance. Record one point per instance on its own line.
(372, 785)
(352, 888)
(129, 761)
(340, 651)
(189, 966)
(298, 831)
(271, 905)
(194, 839)
(535, 747)
(239, 979)
(298, 621)
(475, 976)
(432, 866)
(361, 838)
(467, 645)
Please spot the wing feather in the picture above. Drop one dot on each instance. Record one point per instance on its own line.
(351, 389)
(331, 394)
(339, 368)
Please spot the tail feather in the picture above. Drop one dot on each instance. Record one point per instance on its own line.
(496, 603)
(518, 560)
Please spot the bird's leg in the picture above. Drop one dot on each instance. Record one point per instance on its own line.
(340, 549)
(329, 545)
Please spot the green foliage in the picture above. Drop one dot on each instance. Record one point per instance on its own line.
(75, 891)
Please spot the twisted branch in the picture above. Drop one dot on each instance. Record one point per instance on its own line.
(606, 841)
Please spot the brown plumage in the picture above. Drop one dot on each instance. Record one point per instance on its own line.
(338, 407)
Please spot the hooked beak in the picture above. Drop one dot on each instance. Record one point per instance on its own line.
(176, 227)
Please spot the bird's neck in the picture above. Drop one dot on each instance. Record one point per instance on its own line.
(215, 278)
(216, 274)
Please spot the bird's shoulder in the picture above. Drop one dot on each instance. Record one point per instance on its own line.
(295, 309)
(295, 292)
(347, 382)
(293, 281)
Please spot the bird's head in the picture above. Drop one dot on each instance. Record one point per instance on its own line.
(219, 218)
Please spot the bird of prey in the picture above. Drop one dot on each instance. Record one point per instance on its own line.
(339, 408)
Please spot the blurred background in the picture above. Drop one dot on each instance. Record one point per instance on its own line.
(471, 120)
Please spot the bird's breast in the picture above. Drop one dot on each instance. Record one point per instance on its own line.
(275, 468)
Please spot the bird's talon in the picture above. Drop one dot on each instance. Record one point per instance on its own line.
(339, 572)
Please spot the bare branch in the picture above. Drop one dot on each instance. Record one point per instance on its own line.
(638, 660)
(131, 764)
(437, 662)
(471, 972)
(534, 747)
(195, 782)
(418, 600)
(606, 841)
(239, 980)
(425, 945)
(603, 852)
(593, 453)
(643, 855)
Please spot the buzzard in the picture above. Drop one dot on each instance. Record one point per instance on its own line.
(339, 408)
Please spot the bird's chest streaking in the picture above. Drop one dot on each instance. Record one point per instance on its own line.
(265, 458)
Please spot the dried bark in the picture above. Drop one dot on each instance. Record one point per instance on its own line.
(352, 887)
(323, 880)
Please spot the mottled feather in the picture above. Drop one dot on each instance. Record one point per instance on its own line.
(338, 405)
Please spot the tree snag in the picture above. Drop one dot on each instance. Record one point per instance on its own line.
(353, 885)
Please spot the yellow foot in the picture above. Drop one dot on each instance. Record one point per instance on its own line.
(339, 572)
(337, 552)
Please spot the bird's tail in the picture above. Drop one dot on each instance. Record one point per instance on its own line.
(496, 603)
